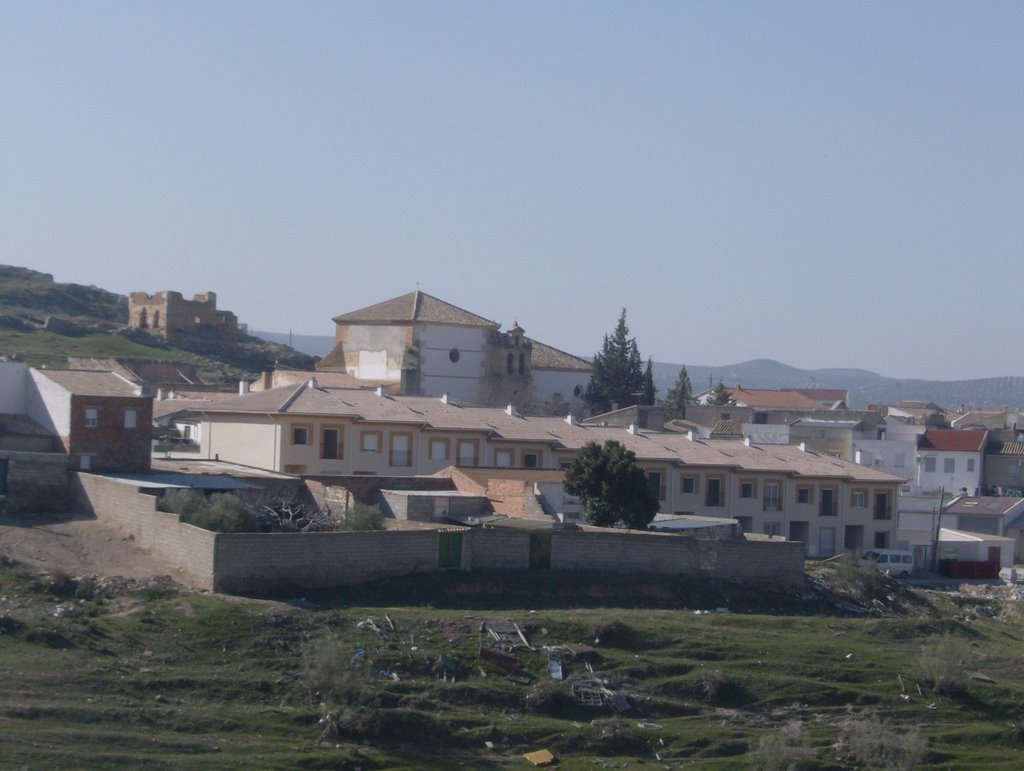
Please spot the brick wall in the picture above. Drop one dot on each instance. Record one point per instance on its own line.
(366, 489)
(36, 481)
(187, 548)
(112, 446)
(507, 496)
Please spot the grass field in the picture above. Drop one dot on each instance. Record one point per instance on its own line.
(125, 675)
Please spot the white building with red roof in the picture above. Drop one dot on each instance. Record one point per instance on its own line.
(951, 459)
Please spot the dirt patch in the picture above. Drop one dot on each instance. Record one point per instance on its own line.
(76, 546)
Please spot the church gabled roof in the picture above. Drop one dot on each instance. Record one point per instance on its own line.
(415, 307)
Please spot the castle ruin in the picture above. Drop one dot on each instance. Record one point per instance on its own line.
(170, 316)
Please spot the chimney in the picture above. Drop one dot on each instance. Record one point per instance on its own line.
(510, 410)
(243, 387)
(803, 446)
(312, 383)
(691, 435)
(160, 395)
(380, 391)
(632, 429)
(570, 419)
(445, 399)
(746, 441)
(858, 457)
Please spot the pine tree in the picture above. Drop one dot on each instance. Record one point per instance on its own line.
(647, 384)
(618, 376)
(678, 397)
(720, 395)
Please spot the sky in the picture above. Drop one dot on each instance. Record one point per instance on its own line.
(828, 184)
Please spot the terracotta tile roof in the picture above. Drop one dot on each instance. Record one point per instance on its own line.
(1015, 449)
(91, 383)
(984, 505)
(433, 414)
(546, 357)
(952, 440)
(415, 307)
(822, 394)
(763, 397)
(21, 425)
(728, 428)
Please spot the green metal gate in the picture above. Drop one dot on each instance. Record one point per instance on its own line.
(449, 549)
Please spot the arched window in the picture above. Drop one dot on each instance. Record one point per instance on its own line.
(156, 319)
(143, 322)
(522, 363)
(511, 364)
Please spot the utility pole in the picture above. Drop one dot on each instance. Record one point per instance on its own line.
(938, 526)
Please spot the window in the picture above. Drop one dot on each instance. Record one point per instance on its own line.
(949, 465)
(300, 434)
(688, 485)
(294, 468)
(510, 365)
(882, 507)
(970, 465)
(531, 460)
(804, 494)
(819, 434)
(522, 363)
(929, 464)
(85, 462)
(131, 418)
(92, 417)
(577, 391)
(439, 449)
(748, 489)
(881, 540)
(453, 355)
(859, 499)
(772, 496)
(713, 492)
(468, 452)
(761, 418)
(773, 528)
(369, 441)
(726, 416)
(827, 502)
(656, 485)
(503, 458)
(330, 444)
(901, 460)
(401, 452)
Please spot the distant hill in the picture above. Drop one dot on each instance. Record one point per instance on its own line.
(865, 387)
(43, 321)
(314, 345)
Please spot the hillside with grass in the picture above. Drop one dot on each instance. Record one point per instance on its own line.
(852, 672)
(42, 322)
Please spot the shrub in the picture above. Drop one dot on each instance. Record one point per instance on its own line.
(221, 512)
(329, 676)
(876, 745)
(862, 584)
(363, 517)
(711, 683)
(181, 501)
(782, 751)
(942, 662)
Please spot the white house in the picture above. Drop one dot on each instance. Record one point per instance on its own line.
(950, 459)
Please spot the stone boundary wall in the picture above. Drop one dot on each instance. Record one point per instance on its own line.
(36, 481)
(268, 562)
(188, 548)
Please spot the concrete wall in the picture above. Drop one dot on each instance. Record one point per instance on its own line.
(36, 481)
(13, 387)
(185, 547)
(263, 562)
(49, 405)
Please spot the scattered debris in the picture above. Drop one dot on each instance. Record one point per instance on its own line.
(648, 725)
(507, 661)
(982, 677)
(540, 758)
(555, 668)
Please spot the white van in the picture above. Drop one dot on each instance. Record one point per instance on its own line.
(896, 562)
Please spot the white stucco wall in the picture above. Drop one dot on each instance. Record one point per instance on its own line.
(953, 482)
(249, 440)
(13, 387)
(438, 373)
(49, 404)
(549, 382)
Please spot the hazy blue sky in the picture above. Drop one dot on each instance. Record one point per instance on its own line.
(824, 183)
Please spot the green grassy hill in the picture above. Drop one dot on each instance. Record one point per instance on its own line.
(111, 674)
(92, 322)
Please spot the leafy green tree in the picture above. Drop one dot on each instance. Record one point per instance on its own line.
(720, 395)
(618, 376)
(612, 487)
(678, 396)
